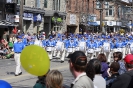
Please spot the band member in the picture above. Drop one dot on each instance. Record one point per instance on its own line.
(50, 46)
(71, 46)
(106, 50)
(60, 50)
(18, 47)
(90, 48)
(98, 45)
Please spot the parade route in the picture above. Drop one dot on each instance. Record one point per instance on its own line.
(26, 80)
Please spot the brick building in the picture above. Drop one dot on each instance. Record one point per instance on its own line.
(84, 15)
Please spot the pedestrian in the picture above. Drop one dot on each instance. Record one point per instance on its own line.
(104, 66)
(93, 71)
(54, 79)
(77, 65)
(41, 82)
(118, 58)
(18, 47)
(126, 79)
(114, 67)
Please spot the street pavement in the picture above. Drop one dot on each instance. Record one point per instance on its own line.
(26, 80)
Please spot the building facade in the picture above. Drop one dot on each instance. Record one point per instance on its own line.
(84, 15)
(77, 11)
(38, 14)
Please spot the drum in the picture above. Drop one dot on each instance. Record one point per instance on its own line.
(106, 47)
(82, 46)
(49, 48)
(131, 48)
(59, 46)
(97, 49)
(90, 51)
(77, 49)
(119, 50)
(70, 50)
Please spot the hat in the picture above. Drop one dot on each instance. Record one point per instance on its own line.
(22, 34)
(19, 37)
(129, 59)
(78, 58)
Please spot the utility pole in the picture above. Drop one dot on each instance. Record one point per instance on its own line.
(101, 17)
(132, 12)
(21, 16)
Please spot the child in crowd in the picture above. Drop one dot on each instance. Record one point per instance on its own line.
(114, 67)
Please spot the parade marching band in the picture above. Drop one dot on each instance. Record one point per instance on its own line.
(91, 44)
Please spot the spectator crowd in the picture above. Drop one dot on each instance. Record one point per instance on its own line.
(93, 73)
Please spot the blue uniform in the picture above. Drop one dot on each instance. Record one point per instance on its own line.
(24, 41)
(44, 42)
(50, 43)
(18, 47)
(91, 45)
(71, 44)
(31, 43)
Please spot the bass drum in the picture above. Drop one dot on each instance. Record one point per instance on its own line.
(106, 47)
(49, 49)
(90, 51)
(82, 46)
(59, 46)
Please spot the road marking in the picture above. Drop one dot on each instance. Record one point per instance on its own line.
(27, 74)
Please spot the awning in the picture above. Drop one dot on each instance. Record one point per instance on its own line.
(93, 23)
(6, 24)
(52, 12)
(49, 13)
(31, 9)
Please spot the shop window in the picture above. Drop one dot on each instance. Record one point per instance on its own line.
(45, 3)
(38, 3)
(53, 4)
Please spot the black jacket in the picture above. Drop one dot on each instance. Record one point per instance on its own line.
(123, 80)
(111, 79)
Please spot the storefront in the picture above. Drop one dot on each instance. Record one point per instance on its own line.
(72, 23)
(54, 21)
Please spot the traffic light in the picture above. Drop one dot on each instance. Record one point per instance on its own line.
(10, 8)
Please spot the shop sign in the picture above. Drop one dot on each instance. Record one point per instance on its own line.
(37, 18)
(72, 19)
(27, 16)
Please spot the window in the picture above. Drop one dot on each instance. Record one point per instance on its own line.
(110, 11)
(56, 5)
(53, 4)
(59, 5)
(18, 1)
(98, 5)
(38, 3)
(106, 5)
(45, 3)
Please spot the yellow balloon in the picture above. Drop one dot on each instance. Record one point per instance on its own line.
(35, 60)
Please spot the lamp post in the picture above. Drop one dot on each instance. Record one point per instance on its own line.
(21, 16)
(99, 4)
